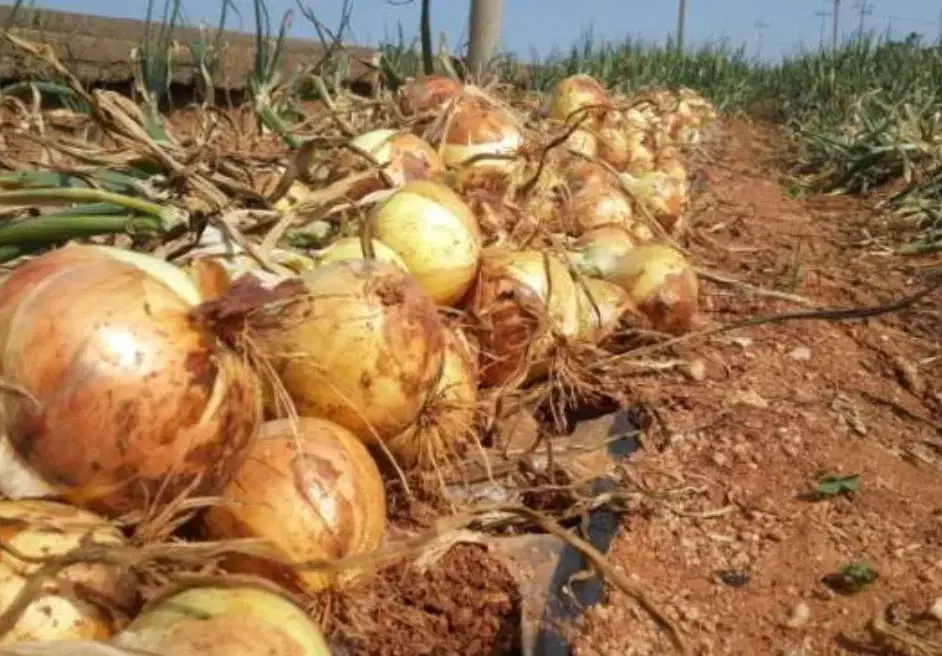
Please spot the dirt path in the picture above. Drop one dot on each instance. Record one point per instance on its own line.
(720, 539)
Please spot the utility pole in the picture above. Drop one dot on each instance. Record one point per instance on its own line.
(681, 23)
(864, 9)
(484, 33)
(760, 26)
(835, 22)
(823, 15)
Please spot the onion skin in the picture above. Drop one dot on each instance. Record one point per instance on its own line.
(476, 132)
(596, 205)
(576, 92)
(521, 299)
(362, 347)
(441, 430)
(38, 529)
(435, 234)
(135, 400)
(234, 621)
(602, 304)
(596, 253)
(428, 93)
(661, 283)
(313, 495)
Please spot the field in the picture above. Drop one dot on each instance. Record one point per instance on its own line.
(784, 490)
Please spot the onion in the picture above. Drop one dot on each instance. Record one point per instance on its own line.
(661, 195)
(662, 284)
(311, 491)
(297, 192)
(446, 422)
(125, 399)
(603, 304)
(597, 252)
(578, 92)
(428, 93)
(351, 248)
(435, 233)
(522, 299)
(477, 132)
(582, 142)
(596, 205)
(234, 621)
(43, 529)
(362, 347)
(622, 141)
(403, 156)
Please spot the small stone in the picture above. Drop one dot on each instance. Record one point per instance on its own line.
(802, 353)
(799, 616)
(695, 370)
(742, 342)
(720, 459)
(936, 609)
(750, 398)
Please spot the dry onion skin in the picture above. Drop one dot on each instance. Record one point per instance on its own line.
(595, 205)
(126, 399)
(311, 491)
(596, 252)
(446, 424)
(351, 248)
(662, 284)
(361, 346)
(427, 93)
(603, 304)
(435, 234)
(234, 621)
(575, 93)
(661, 195)
(44, 529)
(522, 300)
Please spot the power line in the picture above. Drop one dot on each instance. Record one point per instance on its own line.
(864, 9)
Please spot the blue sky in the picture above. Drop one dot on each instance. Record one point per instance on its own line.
(539, 25)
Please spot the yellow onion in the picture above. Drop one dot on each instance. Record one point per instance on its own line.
(310, 491)
(427, 93)
(522, 299)
(445, 424)
(360, 346)
(602, 306)
(582, 142)
(477, 132)
(232, 621)
(622, 141)
(435, 233)
(661, 283)
(351, 248)
(661, 195)
(596, 253)
(44, 529)
(596, 205)
(125, 400)
(577, 92)
(579, 173)
(403, 156)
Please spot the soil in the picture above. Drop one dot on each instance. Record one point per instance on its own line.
(466, 603)
(720, 536)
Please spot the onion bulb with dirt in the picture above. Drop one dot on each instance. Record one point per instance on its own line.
(576, 95)
(523, 300)
(122, 399)
(357, 342)
(243, 620)
(445, 427)
(310, 491)
(662, 284)
(435, 234)
(64, 607)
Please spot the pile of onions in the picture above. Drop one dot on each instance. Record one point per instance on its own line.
(523, 299)
(237, 621)
(622, 141)
(575, 93)
(44, 529)
(359, 344)
(125, 400)
(427, 93)
(402, 155)
(475, 131)
(435, 234)
(446, 424)
(310, 491)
